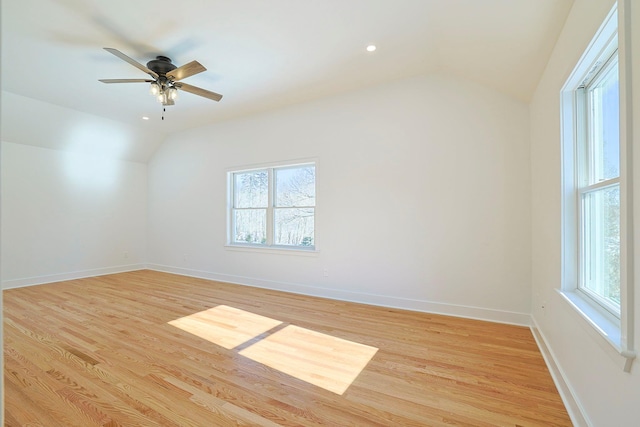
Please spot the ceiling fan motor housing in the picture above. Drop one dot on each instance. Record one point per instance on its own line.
(161, 65)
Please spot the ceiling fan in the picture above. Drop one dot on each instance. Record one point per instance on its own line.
(166, 77)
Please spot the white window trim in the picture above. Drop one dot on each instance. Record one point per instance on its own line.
(618, 334)
(270, 249)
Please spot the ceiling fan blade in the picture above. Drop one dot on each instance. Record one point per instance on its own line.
(199, 91)
(193, 67)
(126, 80)
(131, 61)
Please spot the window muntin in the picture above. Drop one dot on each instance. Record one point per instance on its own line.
(599, 186)
(274, 207)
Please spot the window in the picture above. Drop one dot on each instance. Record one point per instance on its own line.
(597, 271)
(273, 207)
(598, 186)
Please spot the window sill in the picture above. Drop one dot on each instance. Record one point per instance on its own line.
(279, 250)
(607, 331)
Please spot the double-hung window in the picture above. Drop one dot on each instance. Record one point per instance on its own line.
(597, 272)
(273, 207)
(598, 189)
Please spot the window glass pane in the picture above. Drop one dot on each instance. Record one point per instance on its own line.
(250, 226)
(601, 244)
(251, 189)
(294, 227)
(295, 186)
(606, 125)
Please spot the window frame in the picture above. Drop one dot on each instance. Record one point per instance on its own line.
(269, 244)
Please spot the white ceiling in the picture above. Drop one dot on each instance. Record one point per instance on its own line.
(262, 54)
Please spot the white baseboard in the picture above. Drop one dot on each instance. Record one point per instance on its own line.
(522, 319)
(478, 313)
(574, 408)
(39, 280)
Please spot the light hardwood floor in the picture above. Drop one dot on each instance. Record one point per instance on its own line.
(147, 348)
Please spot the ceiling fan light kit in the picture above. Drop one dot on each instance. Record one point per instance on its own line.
(166, 78)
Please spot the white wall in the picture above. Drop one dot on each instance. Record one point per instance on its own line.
(592, 372)
(423, 198)
(73, 212)
(32, 122)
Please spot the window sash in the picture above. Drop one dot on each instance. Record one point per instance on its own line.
(280, 226)
(236, 191)
(277, 172)
(253, 236)
(595, 118)
(592, 237)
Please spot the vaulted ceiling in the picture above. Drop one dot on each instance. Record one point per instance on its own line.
(265, 54)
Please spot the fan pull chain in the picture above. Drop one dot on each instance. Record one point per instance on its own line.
(163, 110)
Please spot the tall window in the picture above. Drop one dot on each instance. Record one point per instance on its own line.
(598, 176)
(273, 207)
(597, 198)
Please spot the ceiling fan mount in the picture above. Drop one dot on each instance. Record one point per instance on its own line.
(165, 77)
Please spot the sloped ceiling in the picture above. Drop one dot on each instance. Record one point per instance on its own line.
(264, 54)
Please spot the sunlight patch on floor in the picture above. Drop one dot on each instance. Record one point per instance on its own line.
(225, 326)
(319, 359)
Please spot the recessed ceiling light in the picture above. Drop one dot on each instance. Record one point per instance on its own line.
(371, 48)
(145, 118)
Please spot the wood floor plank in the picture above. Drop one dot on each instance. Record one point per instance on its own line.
(110, 351)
